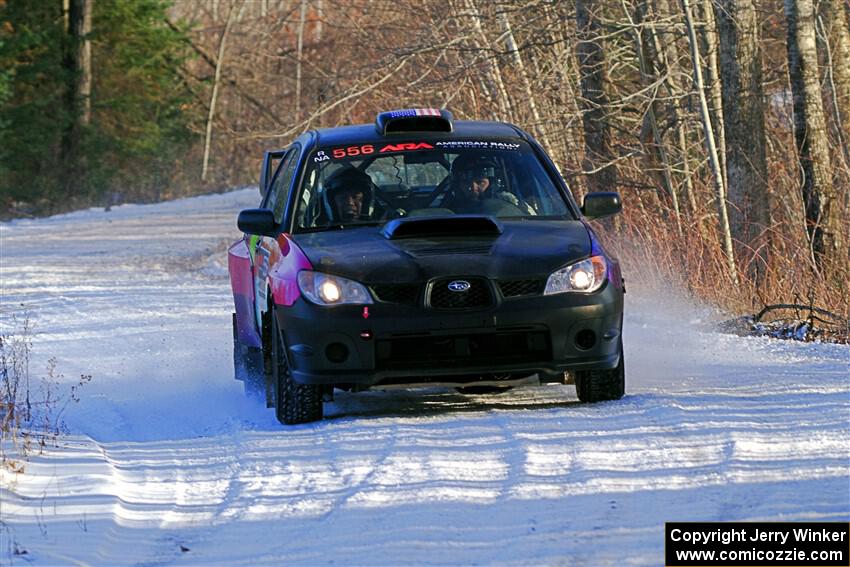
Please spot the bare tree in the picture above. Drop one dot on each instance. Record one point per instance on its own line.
(219, 65)
(299, 55)
(665, 49)
(602, 175)
(492, 80)
(743, 117)
(710, 37)
(822, 209)
(838, 44)
(511, 45)
(612, 95)
(646, 54)
(720, 193)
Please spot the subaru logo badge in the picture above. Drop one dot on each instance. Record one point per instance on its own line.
(459, 286)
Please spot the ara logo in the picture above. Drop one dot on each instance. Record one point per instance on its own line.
(407, 146)
(459, 286)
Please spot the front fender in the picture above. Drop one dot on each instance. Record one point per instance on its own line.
(283, 276)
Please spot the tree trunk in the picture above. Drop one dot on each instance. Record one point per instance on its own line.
(511, 45)
(699, 85)
(667, 55)
(78, 94)
(602, 174)
(645, 51)
(492, 81)
(743, 117)
(219, 65)
(319, 21)
(709, 33)
(81, 29)
(299, 50)
(822, 209)
(838, 32)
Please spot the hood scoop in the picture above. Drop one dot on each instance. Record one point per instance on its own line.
(456, 225)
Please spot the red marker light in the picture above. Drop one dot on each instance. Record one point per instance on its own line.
(365, 312)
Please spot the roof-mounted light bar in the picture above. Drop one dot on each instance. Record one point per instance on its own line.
(414, 120)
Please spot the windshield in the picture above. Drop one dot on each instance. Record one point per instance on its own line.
(372, 183)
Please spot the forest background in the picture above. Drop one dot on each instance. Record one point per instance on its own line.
(724, 124)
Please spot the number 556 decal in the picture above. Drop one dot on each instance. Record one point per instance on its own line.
(352, 151)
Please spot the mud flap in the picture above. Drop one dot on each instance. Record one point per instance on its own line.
(248, 365)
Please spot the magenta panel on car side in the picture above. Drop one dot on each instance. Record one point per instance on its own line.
(283, 275)
(242, 284)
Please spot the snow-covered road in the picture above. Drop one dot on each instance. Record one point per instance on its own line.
(166, 462)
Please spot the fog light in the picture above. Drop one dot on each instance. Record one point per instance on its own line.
(585, 339)
(336, 352)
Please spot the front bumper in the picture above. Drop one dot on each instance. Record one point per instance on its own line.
(397, 343)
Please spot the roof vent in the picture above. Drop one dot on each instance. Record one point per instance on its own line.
(414, 120)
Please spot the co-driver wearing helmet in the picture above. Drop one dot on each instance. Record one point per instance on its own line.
(475, 188)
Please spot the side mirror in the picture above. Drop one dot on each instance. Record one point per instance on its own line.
(257, 221)
(602, 204)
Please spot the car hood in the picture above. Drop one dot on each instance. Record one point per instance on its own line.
(524, 249)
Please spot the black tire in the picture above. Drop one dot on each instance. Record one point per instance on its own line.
(602, 385)
(294, 403)
(248, 367)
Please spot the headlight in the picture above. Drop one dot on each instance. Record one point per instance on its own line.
(325, 289)
(583, 277)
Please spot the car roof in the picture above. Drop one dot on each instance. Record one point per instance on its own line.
(461, 129)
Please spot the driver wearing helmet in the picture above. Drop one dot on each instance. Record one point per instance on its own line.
(476, 188)
(348, 196)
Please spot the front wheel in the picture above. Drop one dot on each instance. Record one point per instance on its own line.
(294, 403)
(602, 385)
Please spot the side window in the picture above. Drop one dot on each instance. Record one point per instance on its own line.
(279, 190)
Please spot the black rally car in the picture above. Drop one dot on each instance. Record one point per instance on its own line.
(421, 250)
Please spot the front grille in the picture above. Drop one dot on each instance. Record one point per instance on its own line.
(406, 294)
(478, 295)
(506, 347)
(516, 288)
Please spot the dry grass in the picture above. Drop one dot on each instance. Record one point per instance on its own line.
(655, 257)
(31, 407)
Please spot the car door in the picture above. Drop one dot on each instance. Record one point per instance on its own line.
(271, 159)
(265, 250)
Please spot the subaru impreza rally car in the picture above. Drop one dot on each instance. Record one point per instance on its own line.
(421, 250)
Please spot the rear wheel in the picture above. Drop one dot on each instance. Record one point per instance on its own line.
(294, 402)
(602, 385)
